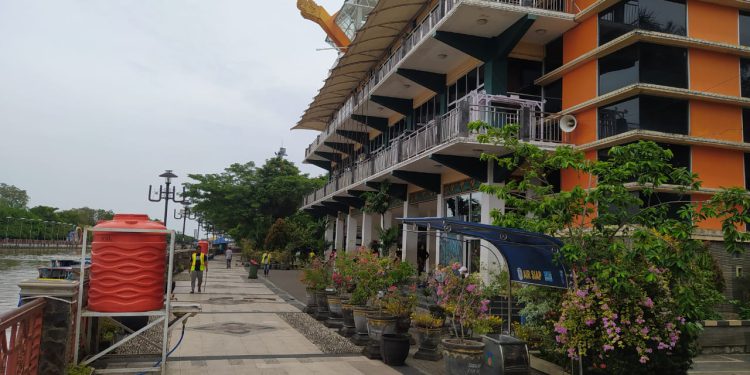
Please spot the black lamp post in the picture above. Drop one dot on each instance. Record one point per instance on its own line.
(185, 214)
(166, 194)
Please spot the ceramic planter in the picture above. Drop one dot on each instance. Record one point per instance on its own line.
(463, 356)
(347, 328)
(428, 340)
(312, 306)
(359, 313)
(394, 348)
(321, 299)
(334, 306)
(378, 323)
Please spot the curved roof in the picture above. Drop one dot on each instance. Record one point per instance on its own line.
(385, 23)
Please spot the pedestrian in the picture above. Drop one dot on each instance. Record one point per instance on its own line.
(228, 256)
(311, 256)
(197, 267)
(422, 256)
(266, 262)
(332, 256)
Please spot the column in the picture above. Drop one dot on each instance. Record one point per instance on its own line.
(409, 236)
(440, 213)
(388, 219)
(431, 246)
(351, 232)
(330, 233)
(367, 228)
(490, 258)
(339, 238)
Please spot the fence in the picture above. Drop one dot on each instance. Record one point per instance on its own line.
(21, 338)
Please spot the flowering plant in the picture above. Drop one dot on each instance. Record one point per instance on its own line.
(426, 320)
(343, 273)
(399, 302)
(462, 298)
(368, 273)
(316, 275)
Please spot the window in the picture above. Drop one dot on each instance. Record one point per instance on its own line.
(643, 62)
(521, 76)
(473, 80)
(744, 28)
(426, 112)
(553, 55)
(466, 207)
(680, 155)
(738, 271)
(645, 113)
(671, 202)
(666, 16)
(745, 77)
(553, 97)
(746, 125)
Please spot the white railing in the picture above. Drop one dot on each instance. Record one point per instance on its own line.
(408, 42)
(534, 126)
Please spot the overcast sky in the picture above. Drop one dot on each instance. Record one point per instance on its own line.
(99, 97)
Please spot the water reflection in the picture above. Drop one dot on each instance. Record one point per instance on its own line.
(15, 268)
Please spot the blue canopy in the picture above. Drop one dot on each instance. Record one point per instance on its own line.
(530, 256)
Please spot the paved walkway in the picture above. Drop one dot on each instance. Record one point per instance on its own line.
(239, 332)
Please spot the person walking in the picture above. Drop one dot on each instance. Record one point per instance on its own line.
(228, 256)
(266, 262)
(197, 267)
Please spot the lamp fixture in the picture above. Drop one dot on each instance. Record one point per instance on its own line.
(442, 56)
(482, 21)
(540, 31)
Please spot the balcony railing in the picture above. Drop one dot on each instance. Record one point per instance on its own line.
(409, 42)
(534, 126)
(20, 339)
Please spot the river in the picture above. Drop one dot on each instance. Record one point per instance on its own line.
(15, 268)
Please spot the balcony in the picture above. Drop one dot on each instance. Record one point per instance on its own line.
(412, 41)
(535, 126)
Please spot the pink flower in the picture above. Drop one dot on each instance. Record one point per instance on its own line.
(470, 288)
(607, 347)
(440, 291)
(581, 293)
(643, 359)
(590, 322)
(648, 302)
(484, 306)
(392, 288)
(560, 329)
(455, 266)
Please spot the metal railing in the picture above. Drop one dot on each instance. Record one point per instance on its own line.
(422, 31)
(20, 339)
(534, 126)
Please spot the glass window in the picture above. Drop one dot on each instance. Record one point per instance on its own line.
(471, 81)
(673, 202)
(521, 76)
(553, 97)
(744, 28)
(667, 16)
(461, 87)
(452, 93)
(747, 171)
(480, 74)
(746, 124)
(475, 207)
(643, 62)
(745, 77)
(646, 113)
(553, 55)
(450, 207)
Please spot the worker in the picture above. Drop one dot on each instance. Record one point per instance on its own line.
(228, 256)
(197, 267)
(265, 260)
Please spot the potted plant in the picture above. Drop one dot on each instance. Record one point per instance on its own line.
(343, 281)
(366, 272)
(398, 302)
(429, 328)
(461, 297)
(315, 277)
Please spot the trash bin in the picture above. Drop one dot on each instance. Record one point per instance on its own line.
(504, 354)
(253, 273)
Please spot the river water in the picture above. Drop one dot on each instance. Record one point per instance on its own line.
(15, 268)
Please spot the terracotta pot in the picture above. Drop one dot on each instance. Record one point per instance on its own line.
(463, 356)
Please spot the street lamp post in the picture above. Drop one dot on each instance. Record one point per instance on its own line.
(166, 194)
(185, 214)
(7, 225)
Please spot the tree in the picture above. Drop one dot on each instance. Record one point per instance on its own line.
(46, 213)
(13, 197)
(641, 283)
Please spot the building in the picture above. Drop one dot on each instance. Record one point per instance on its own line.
(396, 103)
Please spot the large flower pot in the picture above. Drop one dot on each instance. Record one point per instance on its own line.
(378, 323)
(463, 356)
(428, 339)
(312, 306)
(394, 348)
(347, 328)
(360, 337)
(321, 299)
(334, 306)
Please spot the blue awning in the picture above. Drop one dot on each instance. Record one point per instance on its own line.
(220, 240)
(530, 256)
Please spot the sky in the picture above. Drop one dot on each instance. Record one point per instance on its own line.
(99, 97)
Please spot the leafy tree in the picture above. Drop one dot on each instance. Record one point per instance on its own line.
(45, 213)
(85, 216)
(13, 197)
(641, 283)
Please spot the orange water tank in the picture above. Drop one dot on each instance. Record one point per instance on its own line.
(203, 244)
(127, 269)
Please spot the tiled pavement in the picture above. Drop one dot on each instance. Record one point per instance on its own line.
(238, 332)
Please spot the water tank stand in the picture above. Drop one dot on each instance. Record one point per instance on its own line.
(182, 310)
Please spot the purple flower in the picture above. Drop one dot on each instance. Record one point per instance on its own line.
(560, 329)
(470, 288)
(648, 302)
(643, 359)
(607, 347)
(581, 293)
(644, 331)
(484, 307)
(590, 322)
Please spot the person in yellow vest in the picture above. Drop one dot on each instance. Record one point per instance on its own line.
(266, 262)
(197, 267)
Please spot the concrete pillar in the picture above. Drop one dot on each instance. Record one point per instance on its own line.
(368, 225)
(351, 232)
(440, 213)
(409, 236)
(431, 246)
(330, 233)
(339, 237)
(490, 259)
(388, 219)
(59, 318)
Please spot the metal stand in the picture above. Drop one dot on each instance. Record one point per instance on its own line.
(181, 310)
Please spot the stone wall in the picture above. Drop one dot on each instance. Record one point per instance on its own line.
(725, 337)
(728, 263)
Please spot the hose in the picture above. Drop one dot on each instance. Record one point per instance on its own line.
(182, 334)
